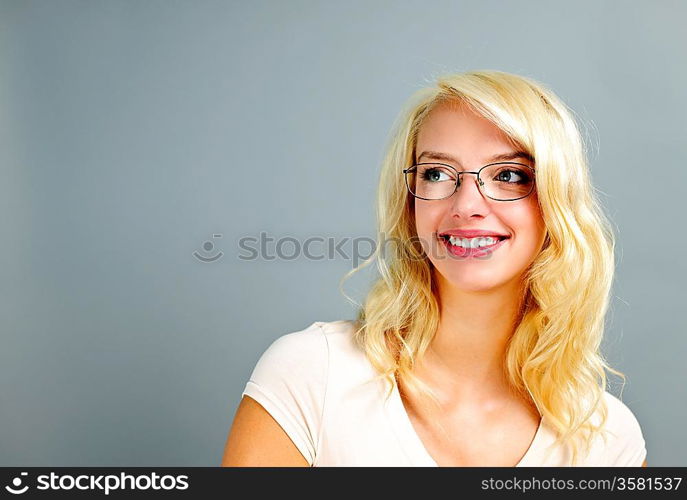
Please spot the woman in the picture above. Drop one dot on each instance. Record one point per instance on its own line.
(479, 343)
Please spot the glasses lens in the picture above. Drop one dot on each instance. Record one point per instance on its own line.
(507, 181)
(431, 181)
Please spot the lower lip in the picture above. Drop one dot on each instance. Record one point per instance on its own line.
(472, 252)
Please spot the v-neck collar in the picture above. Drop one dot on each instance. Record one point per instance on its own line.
(413, 446)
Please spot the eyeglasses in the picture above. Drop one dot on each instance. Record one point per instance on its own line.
(503, 181)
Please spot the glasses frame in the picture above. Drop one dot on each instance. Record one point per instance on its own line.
(480, 183)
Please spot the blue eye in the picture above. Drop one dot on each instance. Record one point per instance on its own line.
(435, 174)
(512, 176)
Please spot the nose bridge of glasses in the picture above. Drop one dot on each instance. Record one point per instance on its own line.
(460, 179)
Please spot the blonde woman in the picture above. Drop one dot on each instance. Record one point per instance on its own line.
(479, 345)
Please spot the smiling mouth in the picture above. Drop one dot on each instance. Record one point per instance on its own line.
(473, 241)
(484, 251)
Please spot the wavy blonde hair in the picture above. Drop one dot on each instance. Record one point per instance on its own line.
(553, 356)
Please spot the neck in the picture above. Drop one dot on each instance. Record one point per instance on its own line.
(465, 359)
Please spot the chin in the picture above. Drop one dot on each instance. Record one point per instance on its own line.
(472, 281)
(472, 287)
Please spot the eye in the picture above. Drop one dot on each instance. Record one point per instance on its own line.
(436, 174)
(512, 176)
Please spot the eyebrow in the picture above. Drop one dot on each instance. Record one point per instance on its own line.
(434, 155)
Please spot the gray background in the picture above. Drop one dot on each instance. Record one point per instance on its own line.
(131, 132)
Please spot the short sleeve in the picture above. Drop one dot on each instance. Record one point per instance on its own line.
(290, 381)
(629, 449)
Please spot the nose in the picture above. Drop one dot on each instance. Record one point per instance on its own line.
(468, 200)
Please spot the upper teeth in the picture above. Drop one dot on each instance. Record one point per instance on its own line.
(473, 242)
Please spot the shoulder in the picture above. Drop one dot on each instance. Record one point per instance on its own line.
(340, 334)
(303, 357)
(621, 420)
(312, 343)
(298, 345)
(627, 446)
(290, 382)
(294, 358)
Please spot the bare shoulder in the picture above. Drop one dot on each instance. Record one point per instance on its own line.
(257, 440)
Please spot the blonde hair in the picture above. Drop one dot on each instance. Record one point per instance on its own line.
(554, 353)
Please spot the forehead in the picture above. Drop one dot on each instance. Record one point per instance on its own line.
(455, 126)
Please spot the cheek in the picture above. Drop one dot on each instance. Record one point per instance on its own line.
(427, 219)
(529, 223)
(524, 220)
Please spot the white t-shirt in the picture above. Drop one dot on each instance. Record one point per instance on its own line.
(318, 385)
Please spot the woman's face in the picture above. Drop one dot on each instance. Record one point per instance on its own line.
(468, 141)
